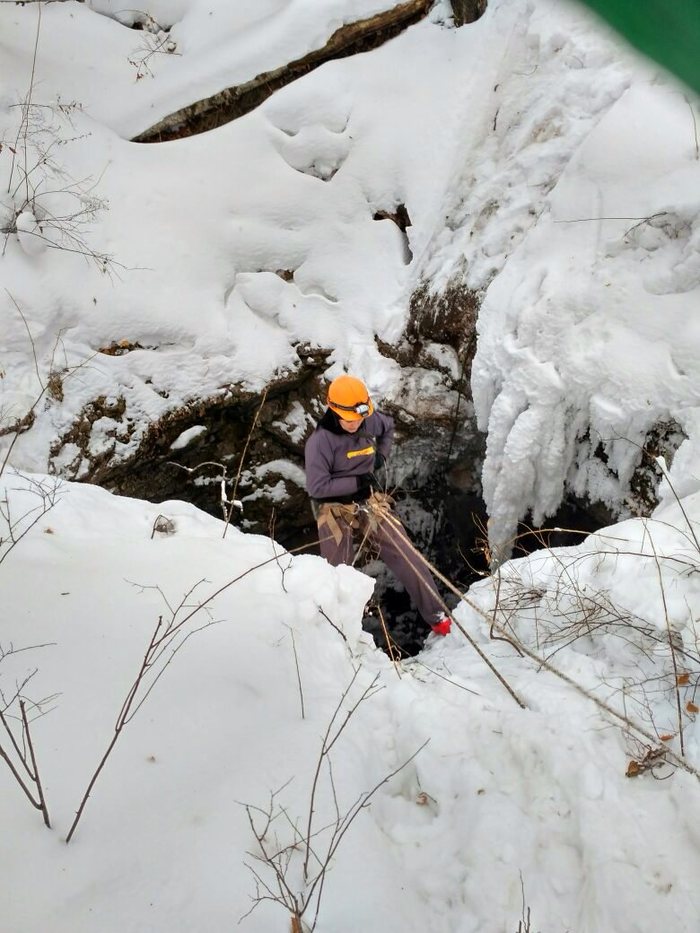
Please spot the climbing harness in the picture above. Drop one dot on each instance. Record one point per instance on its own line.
(330, 514)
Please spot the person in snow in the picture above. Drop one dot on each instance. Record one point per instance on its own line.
(350, 443)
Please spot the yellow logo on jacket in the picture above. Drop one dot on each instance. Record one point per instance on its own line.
(365, 452)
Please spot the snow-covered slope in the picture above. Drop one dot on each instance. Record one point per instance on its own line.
(499, 797)
(187, 50)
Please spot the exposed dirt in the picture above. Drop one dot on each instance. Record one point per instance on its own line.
(468, 11)
(448, 317)
(79, 436)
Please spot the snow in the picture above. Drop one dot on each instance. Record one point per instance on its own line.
(191, 434)
(194, 282)
(218, 45)
(296, 424)
(284, 468)
(587, 337)
(506, 140)
(557, 178)
(499, 795)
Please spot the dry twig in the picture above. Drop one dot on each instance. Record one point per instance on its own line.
(167, 638)
(19, 755)
(263, 399)
(317, 845)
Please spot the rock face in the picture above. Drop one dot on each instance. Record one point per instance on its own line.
(256, 440)
(253, 440)
(467, 11)
(663, 440)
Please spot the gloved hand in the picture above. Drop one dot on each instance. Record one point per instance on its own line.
(366, 483)
(379, 475)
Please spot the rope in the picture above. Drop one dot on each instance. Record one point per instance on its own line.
(542, 662)
(332, 513)
(395, 527)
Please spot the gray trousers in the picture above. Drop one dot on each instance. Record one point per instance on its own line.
(339, 524)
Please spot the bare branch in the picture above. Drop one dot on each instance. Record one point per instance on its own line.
(35, 768)
(167, 635)
(671, 647)
(332, 623)
(24, 768)
(278, 858)
(296, 664)
(263, 399)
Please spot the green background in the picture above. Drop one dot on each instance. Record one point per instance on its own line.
(665, 30)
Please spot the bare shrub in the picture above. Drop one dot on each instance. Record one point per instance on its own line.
(656, 669)
(16, 521)
(156, 41)
(44, 207)
(169, 635)
(292, 856)
(17, 711)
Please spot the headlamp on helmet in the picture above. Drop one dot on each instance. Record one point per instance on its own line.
(349, 399)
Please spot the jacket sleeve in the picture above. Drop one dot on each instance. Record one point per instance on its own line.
(320, 482)
(384, 433)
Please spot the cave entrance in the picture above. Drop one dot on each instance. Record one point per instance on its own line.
(434, 478)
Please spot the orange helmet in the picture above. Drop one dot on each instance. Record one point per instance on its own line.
(349, 399)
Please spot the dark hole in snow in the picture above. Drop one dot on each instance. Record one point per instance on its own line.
(468, 11)
(401, 218)
(142, 22)
(459, 550)
(399, 215)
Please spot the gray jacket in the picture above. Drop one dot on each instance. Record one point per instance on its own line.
(336, 461)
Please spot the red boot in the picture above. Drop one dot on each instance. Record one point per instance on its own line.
(442, 626)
